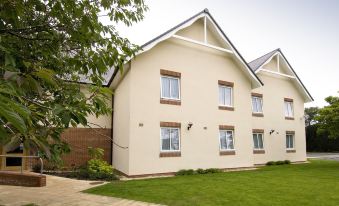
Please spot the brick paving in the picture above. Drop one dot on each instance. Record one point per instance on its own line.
(60, 191)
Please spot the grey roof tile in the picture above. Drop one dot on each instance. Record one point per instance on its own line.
(257, 63)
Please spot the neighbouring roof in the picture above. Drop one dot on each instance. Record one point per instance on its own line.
(259, 62)
(192, 19)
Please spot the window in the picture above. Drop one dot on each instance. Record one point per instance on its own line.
(170, 88)
(256, 104)
(289, 141)
(225, 96)
(170, 139)
(258, 140)
(288, 108)
(226, 140)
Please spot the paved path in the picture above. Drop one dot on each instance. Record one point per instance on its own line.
(60, 191)
(323, 155)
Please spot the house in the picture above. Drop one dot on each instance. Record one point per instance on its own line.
(189, 100)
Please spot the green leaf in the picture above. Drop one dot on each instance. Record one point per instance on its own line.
(9, 60)
(13, 118)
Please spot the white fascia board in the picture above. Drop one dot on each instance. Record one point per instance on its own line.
(308, 97)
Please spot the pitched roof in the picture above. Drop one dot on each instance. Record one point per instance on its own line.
(258, 62)
(164, 36)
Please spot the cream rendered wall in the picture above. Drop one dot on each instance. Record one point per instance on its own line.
(274, 91)
(104, 121)
(200, 70)
(121, 124)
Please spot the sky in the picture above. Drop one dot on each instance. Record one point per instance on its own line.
(307, 32)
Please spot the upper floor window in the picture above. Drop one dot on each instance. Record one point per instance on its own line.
(170, 139)
(170, 87)
(225, 96)
(256, 104)
(289, 141)
(288, 106)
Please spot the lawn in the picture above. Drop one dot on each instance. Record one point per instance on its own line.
(315, 184)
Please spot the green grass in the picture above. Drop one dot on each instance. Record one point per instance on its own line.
(315, 184)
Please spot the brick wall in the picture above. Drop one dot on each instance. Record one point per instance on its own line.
(25, 179)
(82, 138)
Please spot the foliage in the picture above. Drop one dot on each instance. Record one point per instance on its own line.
(185, 172)
(46, 48)
(310, 114)
(96, 153)
(198, 171)
(328, 118)
(99, 169)
(310, 184)
(280, 162)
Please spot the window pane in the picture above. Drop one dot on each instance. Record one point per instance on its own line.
(230, 144)
(223, 144)
(174, 88)
(165, 138)
(255, 141)
(259, 104)
(165, 87)
(260, 141)
(175, 139)
(221, 96)
(286, 109)
(254, 105)
(228, 96)
(290, 109)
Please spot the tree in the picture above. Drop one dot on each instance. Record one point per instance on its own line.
(310, 114)
(328, 117)
(46, 48)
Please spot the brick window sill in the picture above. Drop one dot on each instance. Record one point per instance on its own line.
(258, 151)
(226, 108)
(170, 101)
(257, 114)
(290, 151)
(221, 153)
(170, 154)
(289, 118)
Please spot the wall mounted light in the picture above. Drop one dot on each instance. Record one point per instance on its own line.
(272, 130)
(190, 124)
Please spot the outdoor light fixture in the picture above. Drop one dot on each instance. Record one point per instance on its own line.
(190, 124)
(272, 130)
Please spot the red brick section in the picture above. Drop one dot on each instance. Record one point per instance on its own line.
(257, 114)
(256, 95)
(170, 101)
(258, 151)
(170, 154)
(290, 151)
(170, 124)
(258, 131)
(226, 127)
(288, 99)
(290, 132)
(226, 108)
(289, 118)
(227, 153)
(82, 138)
(225, 83)
(170, 73)
(25, 179)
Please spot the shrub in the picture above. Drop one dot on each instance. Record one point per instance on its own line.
(280, 162)
(287, 162)
(270, 163)
(200, 171)
(212, 170)
(184, 172)
(98, 169)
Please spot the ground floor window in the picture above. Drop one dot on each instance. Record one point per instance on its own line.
(258, 140)
(289, 141)
(170, 139)
(226, 139)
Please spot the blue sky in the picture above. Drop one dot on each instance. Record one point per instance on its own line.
(307, 31)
